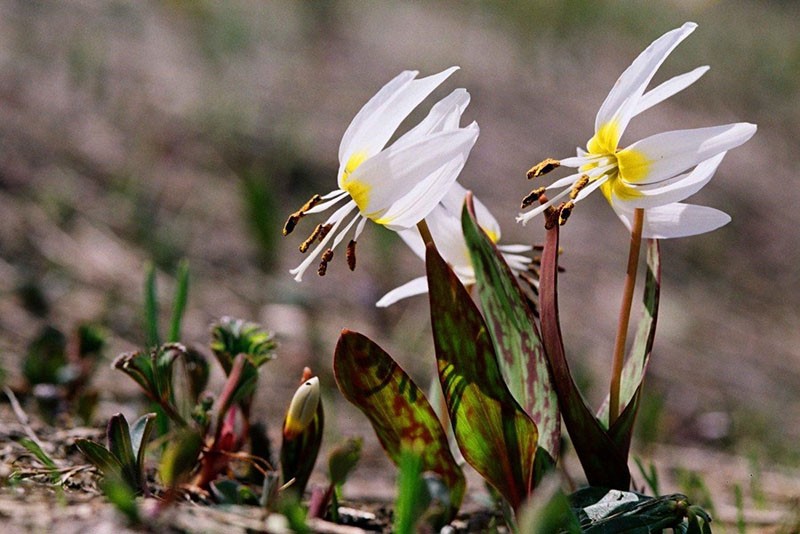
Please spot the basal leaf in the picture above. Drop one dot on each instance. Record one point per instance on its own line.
(120, 445)
(494, 433)
(140, 435)
(399, 412)
(100, 457)
(602, 461)
(514, 333)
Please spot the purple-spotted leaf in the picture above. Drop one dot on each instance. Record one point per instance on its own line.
(602, 460)
(400, 414)
(514, 333)
(494, 433)
(636, 365)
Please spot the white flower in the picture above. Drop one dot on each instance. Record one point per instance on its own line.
(395, 186)
(656, 172)
(444, 223)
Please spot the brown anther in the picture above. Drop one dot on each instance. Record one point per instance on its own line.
(564, 211)
(542, 168)
(532, 197)
(327, 256)
(551, 217)
(291, 222)
(313, 237)
(577, 186)
(351, 255)
(324, 231)
(295, 217)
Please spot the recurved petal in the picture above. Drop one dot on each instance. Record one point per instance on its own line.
(667, 154)
(417, 286)
(678, 188)
(377, 121)
(406, 183)
(623, 100)
(667, 89)
(676, 220)
(444, 115)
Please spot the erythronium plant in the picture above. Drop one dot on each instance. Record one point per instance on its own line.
(395, 186)
(492, 371)
(645, 181)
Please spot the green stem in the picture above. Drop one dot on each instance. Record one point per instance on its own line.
(625, 315)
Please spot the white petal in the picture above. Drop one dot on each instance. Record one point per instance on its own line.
(623, 100)
(669, 88)
(377, 121)
(678, 188)
(414, 240)
(514, 249)
(406, 184)
(417, 286)
(677, 220)
(670, 153)
(444, 115)
(334, 199)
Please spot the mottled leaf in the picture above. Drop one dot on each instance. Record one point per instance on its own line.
(494, 433)
(399, 412)
(602, 461)
(514, 333)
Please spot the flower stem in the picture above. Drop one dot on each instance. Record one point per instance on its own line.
(625, 315)
(425, 232)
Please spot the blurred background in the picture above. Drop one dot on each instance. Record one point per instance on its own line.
(136, 131)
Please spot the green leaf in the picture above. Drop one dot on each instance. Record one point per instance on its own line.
(343, 459)
(494, 433)
(38, 452)
(140, 435)
(549, 512)
(152, 337)
(122, 496)
(514, 333)
(231, 337)
(179, 302)
(636, 365)
(46, 357)
(412, 493)
(120, 445)
(604, 464)
(139, 367)
(396, 407)
(100, 457)
(180, 457)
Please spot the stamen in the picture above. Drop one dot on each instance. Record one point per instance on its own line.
(578, 186)
(532, 197)
(295, 217)
(351, 255)
(313, 237)
(564, 212)
(543, 168)
(324, 231)
(327, 256)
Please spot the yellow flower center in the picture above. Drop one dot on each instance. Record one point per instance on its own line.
(358, 190)
(492, 235)
(631, 165)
